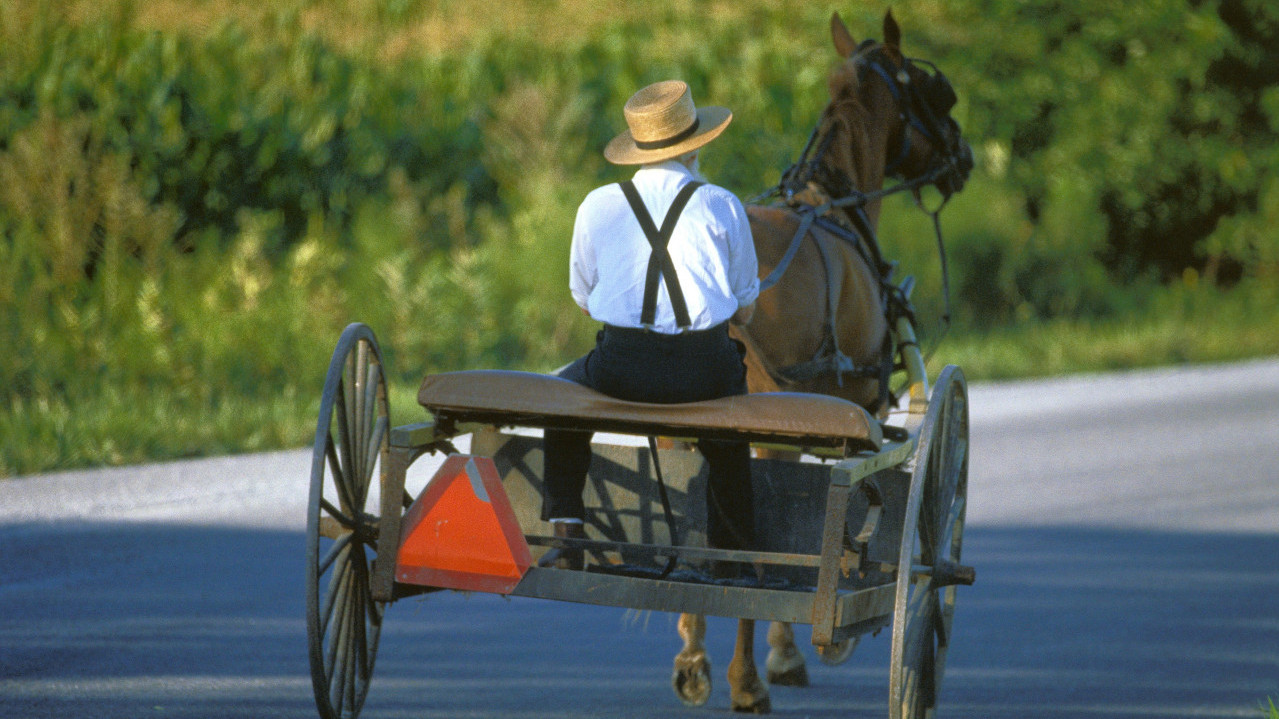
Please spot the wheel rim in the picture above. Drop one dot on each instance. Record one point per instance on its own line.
(839, 652)
(932, 534)
(343, 620)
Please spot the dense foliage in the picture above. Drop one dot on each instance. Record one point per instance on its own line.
(190, 211)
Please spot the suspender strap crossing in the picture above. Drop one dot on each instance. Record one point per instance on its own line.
(660, 265)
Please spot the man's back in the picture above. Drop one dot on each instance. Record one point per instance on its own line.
(710, 248)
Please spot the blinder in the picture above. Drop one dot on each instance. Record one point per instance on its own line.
(938, 95)
(925, 98)
(935, 90)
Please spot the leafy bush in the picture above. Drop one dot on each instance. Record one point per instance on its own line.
(196, 197)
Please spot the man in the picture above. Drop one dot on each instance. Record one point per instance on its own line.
(665, 261)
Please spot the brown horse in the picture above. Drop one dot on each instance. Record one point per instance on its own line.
(823, 327)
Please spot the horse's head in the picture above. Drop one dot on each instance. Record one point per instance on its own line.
(908, 100)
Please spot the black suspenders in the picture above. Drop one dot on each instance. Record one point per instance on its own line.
(659, 262)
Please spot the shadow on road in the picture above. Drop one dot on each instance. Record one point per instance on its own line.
(131, 620)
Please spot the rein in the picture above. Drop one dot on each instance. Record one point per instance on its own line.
(862, 237)
(857, 200)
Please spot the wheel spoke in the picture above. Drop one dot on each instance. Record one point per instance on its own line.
(355, 633)
(364, 587)
(953, 517)
(336, 598)
(368, 404)
(360, 624)
(914, 638)
(374, 609)
(337, 640)
(956, 466)
(930, 512)
(954, 439)
(949, 470)
(917, 659)
(372, 452)
(350, 378)
(939, 670)
(361, 658)
(344, 443)
(337, 679)
(337, 514)
(333, 604)
(927, 698)
(342, 659)
(342, 560)
(957, 460)
(910, 693)
(940, 633)
(339, 546)
(915, 601)
(910, 652)
(941, 436)
(360, 373)
(368, 409)
(927, 533)
(339, 476)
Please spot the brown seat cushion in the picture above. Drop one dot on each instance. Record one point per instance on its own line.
(527, 399)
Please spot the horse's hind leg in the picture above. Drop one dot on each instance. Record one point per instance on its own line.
(692, 676)
(785, 665)
(746, 692)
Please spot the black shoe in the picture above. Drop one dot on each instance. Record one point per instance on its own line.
(565, 557)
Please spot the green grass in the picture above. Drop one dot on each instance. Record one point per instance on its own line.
(196, 197)
(132, 426)
(1179, 327)
(123, 426)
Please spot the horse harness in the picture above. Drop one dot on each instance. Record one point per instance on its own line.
(926, 110)
(829, 358)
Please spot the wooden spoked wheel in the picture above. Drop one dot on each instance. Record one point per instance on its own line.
(928, 564)
(837, 653)
(343, 621)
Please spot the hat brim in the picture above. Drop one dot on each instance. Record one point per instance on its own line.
(711, 121)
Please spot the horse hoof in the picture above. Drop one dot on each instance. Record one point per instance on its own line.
(793, 677)
(692, 679)
(747, 693)
(839, 652)
(786, 669)
(760, 705)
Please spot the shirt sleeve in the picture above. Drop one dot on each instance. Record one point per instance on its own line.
(582, 270)
(743, 268)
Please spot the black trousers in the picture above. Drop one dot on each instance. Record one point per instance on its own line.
(642, 366)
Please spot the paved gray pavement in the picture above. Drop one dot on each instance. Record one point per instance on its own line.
(1125, 528)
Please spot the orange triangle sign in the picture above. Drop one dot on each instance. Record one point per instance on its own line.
(461, 533)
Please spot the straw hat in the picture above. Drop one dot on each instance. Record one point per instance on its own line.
(664, 123)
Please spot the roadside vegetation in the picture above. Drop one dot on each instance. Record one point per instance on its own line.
(195, 197)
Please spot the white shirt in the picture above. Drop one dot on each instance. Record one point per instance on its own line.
(711, 248)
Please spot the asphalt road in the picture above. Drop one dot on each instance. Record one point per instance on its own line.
(1125, 529)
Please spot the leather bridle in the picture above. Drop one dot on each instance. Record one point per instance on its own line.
(924, 98)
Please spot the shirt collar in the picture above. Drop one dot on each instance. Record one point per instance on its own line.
(672, 165)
